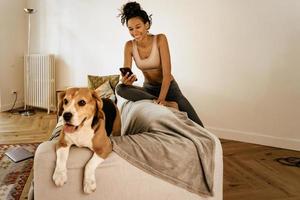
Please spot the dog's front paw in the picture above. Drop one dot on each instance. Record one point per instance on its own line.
(89, 186)
(60, 177)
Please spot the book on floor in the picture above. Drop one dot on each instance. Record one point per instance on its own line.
(18, 154)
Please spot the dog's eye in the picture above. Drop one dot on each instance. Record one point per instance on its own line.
(65, 101)
(81, 103)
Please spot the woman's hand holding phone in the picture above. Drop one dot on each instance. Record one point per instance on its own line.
(127, 76)
(128, 80)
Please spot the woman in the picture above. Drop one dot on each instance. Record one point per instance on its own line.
(151, 55)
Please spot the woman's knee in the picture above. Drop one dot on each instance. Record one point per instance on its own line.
(121, 89)
(127, 91)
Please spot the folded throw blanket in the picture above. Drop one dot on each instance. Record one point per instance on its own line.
(167, 144)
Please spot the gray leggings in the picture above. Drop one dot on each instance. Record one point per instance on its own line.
(148, 91)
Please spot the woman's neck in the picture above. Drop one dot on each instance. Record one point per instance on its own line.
(145, 41)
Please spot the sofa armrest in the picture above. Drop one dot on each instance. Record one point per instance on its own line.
(116, 179)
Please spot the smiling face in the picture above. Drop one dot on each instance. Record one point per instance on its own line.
(79, 105)
(137, 28)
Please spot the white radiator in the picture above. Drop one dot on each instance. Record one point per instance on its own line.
(39, 80)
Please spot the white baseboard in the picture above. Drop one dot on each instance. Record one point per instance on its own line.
(7, 107)
(256, 138)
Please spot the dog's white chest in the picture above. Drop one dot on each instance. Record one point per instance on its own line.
(82, 138)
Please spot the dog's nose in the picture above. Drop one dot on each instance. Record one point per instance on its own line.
(67, 116)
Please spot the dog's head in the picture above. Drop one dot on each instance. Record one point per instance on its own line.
(77, 105)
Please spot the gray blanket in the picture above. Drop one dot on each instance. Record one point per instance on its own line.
(165, 143)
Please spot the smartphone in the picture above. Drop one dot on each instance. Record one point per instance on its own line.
(125, 70)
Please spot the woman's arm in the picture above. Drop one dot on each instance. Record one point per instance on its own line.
(128, 54)
(166, 67)
(128, 80)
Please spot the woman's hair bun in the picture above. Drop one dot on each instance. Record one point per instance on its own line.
(133, 9)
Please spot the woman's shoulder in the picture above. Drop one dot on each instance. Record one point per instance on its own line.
(161, 38)
(128, 45)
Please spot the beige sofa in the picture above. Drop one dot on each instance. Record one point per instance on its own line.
(116, 178)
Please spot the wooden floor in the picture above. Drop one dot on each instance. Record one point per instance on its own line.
(250, 171)
(15, 129)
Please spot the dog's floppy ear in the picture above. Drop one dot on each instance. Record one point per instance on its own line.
(99, 114)
(60, 109)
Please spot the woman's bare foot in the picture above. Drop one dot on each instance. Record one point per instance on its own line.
(172, 104)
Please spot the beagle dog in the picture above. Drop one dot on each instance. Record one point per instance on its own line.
(88, 122)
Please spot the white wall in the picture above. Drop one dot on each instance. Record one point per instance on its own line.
(12, 46)
(237, 61)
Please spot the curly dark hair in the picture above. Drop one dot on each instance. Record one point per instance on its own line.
(133, 9)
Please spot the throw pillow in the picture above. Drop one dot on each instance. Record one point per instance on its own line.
(95, 81)
(105, 91)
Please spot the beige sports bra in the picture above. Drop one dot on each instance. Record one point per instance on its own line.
(152, 62)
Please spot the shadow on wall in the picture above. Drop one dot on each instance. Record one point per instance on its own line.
(63, 73)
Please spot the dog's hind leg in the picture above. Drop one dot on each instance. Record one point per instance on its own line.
(89, 182)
